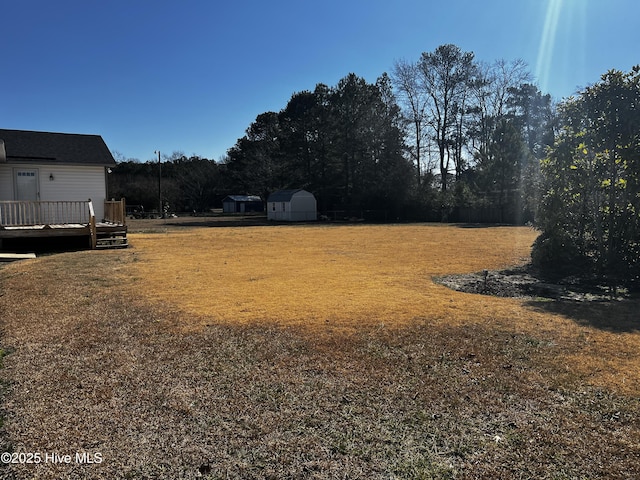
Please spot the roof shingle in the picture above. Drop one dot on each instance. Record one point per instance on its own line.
(283, 195)
(63, 148)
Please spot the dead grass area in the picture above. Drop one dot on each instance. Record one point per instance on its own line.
(311, 352)
(318, 275)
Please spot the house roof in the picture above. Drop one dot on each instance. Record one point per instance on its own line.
(243, 198)
(62, 148)
(284, 195)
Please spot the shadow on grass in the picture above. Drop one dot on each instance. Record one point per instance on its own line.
(45, 245)
(158, 225)
(482, 225)
(221, 223)
(617, 316)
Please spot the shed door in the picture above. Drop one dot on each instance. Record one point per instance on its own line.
(27, 185)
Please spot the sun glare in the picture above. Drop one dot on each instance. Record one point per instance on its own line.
(547, 42)
(562, 50)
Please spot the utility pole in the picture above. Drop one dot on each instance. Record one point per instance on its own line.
(160, 209)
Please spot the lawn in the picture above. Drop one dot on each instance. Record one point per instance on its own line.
(310, 352)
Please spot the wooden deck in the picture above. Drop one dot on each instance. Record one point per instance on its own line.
(20, 219)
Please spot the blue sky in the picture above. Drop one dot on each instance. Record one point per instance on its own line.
(191, 75)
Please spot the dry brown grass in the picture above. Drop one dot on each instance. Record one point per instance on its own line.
(313, 275)
(328, 278)
(171, 362)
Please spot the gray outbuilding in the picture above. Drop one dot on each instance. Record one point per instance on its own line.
(242, 204)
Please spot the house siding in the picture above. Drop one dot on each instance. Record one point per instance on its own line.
(279, 211)
(303, 207)
(70, 183)
(6, 182)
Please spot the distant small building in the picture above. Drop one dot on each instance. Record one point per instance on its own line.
(242, 204)
(292, 206)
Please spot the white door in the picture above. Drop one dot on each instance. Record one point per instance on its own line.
(27, 190)
(27, 185)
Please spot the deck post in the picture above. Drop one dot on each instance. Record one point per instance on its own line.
(92, 227)
(123, 206)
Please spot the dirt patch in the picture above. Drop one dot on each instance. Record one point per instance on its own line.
(525, 282)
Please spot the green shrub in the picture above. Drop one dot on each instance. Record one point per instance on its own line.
(556, 254)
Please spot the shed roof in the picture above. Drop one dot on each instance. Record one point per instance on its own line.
(61, 148)
(243, 198)
(284, 195)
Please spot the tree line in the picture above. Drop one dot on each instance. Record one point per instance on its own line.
(185, 184)
(440, 138)
(436, 139)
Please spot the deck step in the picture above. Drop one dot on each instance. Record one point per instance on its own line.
(101, 246)
(115, 240)
(112, 237)
(12, 257)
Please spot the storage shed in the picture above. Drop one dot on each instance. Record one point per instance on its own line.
(292, 206)
(242, 204)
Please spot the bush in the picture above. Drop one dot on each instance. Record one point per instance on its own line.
(555, 254)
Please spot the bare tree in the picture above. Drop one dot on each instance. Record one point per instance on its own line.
(406, 78)
(445, 76)
(491, 90)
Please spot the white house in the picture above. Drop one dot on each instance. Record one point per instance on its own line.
(292, 206)
(42, 166)
(55, 184)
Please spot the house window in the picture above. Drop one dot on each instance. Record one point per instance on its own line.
(273, 206)
(284, 206)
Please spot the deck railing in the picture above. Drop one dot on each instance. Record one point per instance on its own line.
(115, 212)
(25, 213)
